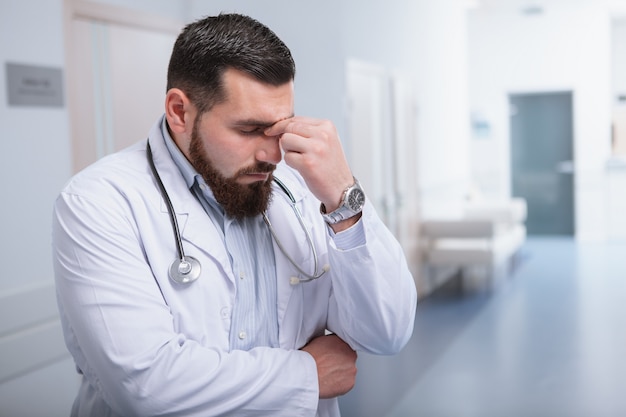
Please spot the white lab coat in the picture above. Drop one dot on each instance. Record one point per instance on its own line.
(149, 347)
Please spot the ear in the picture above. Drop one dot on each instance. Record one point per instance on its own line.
(179, 112)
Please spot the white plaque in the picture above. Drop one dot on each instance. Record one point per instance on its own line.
(30, 85)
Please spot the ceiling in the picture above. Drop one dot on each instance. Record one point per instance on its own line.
(537, 6)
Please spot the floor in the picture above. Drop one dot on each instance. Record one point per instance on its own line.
(547, 341)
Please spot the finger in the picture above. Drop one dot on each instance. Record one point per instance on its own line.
(294, 159)
(290, 142)
(277, 128)
(299, 125)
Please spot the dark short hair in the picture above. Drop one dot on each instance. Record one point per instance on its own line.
(207, 47)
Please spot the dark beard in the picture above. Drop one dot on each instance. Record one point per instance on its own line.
(237, 200)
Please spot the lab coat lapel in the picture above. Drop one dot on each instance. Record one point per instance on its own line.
(289, 232)
(195, 226)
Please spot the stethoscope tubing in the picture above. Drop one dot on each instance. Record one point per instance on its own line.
(186, 269)
(292, 203)
(170, 207)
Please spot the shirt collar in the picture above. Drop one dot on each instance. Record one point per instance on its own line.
(189, 173)
(186, 169)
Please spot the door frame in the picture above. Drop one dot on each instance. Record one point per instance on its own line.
(104, 14)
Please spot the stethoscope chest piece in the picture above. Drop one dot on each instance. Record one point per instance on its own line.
(184, 271)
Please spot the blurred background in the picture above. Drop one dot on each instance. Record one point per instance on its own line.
(490, 135)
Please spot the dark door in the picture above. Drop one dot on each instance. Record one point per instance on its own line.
(542, 169)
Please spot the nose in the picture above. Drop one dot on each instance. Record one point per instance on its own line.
(269, 150)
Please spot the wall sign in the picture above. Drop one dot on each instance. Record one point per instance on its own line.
(30, 85)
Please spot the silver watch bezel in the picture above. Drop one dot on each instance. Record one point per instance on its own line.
(345, 211)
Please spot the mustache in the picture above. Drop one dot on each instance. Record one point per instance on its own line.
(258, 168)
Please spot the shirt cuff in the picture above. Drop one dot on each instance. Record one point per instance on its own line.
(351, 238)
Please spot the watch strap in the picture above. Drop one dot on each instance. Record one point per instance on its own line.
(344, 211)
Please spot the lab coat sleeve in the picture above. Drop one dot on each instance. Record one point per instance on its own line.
(373, 298)
(121, 332)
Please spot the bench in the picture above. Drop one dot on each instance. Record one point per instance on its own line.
(481, 243)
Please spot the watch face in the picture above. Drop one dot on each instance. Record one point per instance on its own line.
(356, 199)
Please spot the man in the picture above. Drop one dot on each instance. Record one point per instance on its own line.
(283, 297)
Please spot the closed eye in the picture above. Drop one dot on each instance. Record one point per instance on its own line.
(252, 132)
(251, 127)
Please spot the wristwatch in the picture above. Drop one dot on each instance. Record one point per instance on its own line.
(352, 202)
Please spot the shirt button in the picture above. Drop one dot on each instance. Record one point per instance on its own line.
(225, 312)
(242, 275)
(242, 335)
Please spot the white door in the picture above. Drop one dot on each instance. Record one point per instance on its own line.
(370, 147)
(382, 150)
(405, 171)
(116, 85)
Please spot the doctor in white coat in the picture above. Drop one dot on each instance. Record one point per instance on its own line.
(253, 335)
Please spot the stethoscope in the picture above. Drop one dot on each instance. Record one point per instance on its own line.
(186, 269)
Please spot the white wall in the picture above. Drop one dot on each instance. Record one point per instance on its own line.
(426, 41)
(35, 155)
(34, 163)
(619, 57)
(167, 8)
(566, 48)
(616, 174)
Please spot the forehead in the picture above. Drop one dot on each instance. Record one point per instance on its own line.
(249, 99)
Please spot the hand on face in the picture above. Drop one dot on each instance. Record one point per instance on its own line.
(312, 147)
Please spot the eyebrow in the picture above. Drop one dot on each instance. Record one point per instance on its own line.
(258, 123)
(253, 123)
